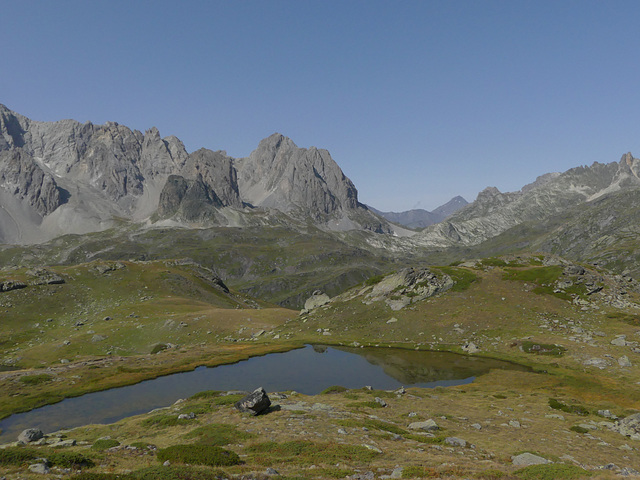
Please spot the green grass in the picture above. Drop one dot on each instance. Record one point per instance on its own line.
(217, 434)
(210, 455)
(309, 453)
(419, 471)
(579, 429)
(105, 443)
(372, 424)
(23, 455)
(334, 389)
(462, 277)
(369, 282)
(543, 348)
(625, 317)
(36, 379)
(163, 420)
(205, 394)
(538, 275)
(575, 409)
(552, 472)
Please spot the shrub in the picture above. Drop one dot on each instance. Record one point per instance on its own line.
(543, 348)
(217, 434)
(418, 471)
(16, 455)
(104, 443)
(373, 280)
(164, 420)
(67, 459)
(554, 471)
(159, 348)
(210, 455)
(307, 453)
(205, 394)
(575, 409)
(334, 389)
(36, 379)
(579, 429)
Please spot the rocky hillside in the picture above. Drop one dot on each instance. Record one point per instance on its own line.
(67, 177)
(494, 212)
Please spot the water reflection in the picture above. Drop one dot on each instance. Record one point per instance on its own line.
(307, 370)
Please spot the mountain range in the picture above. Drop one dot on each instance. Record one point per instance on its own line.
(65, 177)
(419, 218)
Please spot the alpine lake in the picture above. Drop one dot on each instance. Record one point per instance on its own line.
(307, 370)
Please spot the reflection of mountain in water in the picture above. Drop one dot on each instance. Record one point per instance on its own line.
(411, 367)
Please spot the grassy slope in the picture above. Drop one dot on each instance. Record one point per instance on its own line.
(504, 307)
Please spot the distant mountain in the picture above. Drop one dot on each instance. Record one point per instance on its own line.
(420, 218)
(494, 212)
(67, 177)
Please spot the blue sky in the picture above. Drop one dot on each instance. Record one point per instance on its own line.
(417, 101)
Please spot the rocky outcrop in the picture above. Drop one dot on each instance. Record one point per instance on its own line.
(22, 177)
(408, 286)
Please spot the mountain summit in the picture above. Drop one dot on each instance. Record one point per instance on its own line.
(68, 177)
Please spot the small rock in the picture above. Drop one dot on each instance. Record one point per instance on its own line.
(624, 361)
(380, 402)
(166, 463)
(477, 426)
(187, 416)
(470, 348)
(371, 447)
(271, 471)
(342, 431)
(392, 320)
(514, 423)
(455, 442)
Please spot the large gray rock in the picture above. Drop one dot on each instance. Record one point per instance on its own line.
(526, 459)
(30, 435)
(254, 403)
(316, 300)
(427, 426)
(629, 426)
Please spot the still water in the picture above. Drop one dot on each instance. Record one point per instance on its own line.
(307, 370)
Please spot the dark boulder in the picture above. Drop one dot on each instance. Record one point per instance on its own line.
(254, 403)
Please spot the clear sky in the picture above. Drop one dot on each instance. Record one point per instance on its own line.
(417, 101)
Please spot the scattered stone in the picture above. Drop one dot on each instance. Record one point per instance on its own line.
(40, 468)
(588, 426)
(372, 447)
(254, 403)
(271, 471)
(400, 391)
(187, 416)
(554, 415)
(392, 320)
(9, 285)
(380, 402)
(427, 425)
(30, 435)
(619, 341)
(526, 459)
(470, 348)
(455, 442)
(514, 423)
(624, 361)
(342, 431)
(396, 473)
(477, 426)
(166, 463)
